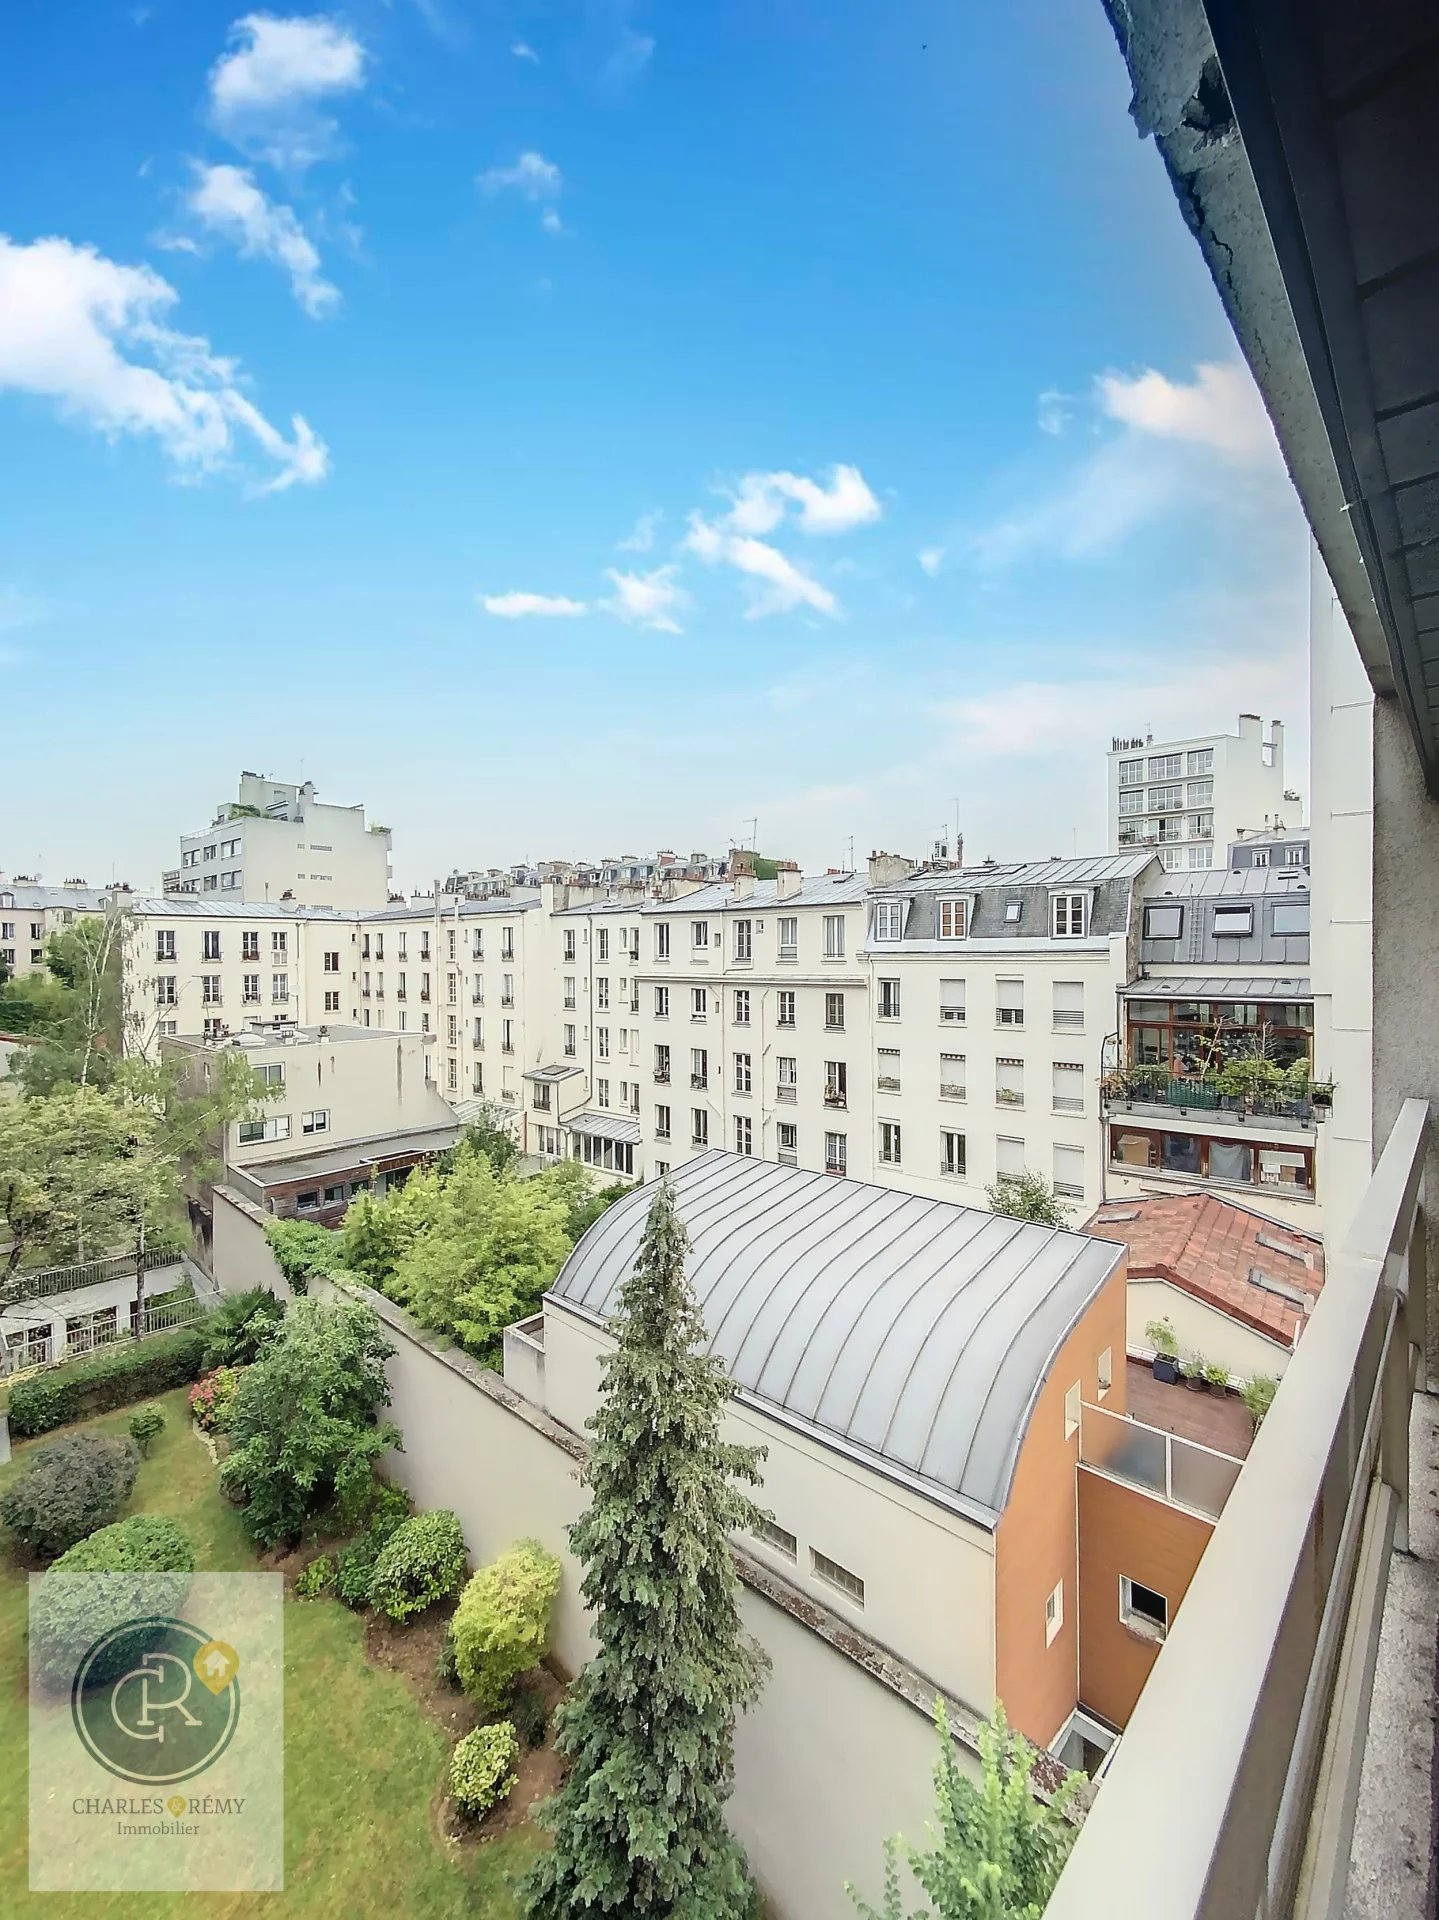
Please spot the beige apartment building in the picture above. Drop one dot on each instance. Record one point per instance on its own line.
(276, 842)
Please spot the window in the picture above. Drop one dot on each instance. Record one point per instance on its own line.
(332, 963)
(743, 1134)
(1131, 773)
(478, 1037)
(788, 936)
(1163, 922)
(889, 999)
(953, 919)
(1201, 794)
(1201, 856)
(164, 941)
(602, 993)
(834, 936)
(507, 1034)
(316, 1122)
(662, 940)
(951, 1002)
(1142, 1610)
(1071, 1411)
(699, 1003)
(743, 940)
(452, 1076)
(787, 1086)
(784, 1007)
(951, 1076)
(569, 939)
(836, 1083)
(1068, 1088)
(507, 989)
(1165, 799)
(836, 1576)
(569, 1042)
(699, 934)
(744, 1073)
(452, 1030)
(540, 1096)
(602, 944)
(1294, 856)
(951, 1153)
(889, 1143)
(1291, 918)
(1131, 802)
(210, 883)
(662, 1123)
(507, 943)
(1234, 922)
(836, 1154)
(1069, 1003)
(779, 1538)
(1009, 1003)
(741, 1006)
(279, 987)
(1165, 766)
(272, 1073)
(1008, 1155)
(889, 920)
(276, 1127)
(786, 1135)
(1053, 1614)
(699, 1067)
(214, 1027)
(602, 1093)
(209, 945)
(1104, 1371)
(1067, 915)
(279, 945)
(1009, 1082)
(662, 1066)
(700, 1127)
(887, 1069)
(1069, 1172)
(602, 1042)
(662, 1003)
(250, 989)
(834, 1012)
(332, 998)
(1201, 760)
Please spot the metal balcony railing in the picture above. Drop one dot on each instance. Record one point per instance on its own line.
(1232, 1792)
(1152, 1087)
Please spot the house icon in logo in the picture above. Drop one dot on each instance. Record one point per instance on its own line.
(216, 1664)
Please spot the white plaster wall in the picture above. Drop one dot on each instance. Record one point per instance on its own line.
(240, 1256)
(1201, 1328)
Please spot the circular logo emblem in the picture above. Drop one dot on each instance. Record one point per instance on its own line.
(156, 1700)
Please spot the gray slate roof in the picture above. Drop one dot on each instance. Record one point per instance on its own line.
(1215, 882)
(1088, 871)
(913, 1333)
(1217, 986)
(820, 889)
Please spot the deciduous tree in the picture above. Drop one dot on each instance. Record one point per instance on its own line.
(1028, 1196)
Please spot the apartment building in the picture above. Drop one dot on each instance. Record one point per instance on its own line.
(30, 913)
(1270, 847)
(277, 842)
(1184, 797)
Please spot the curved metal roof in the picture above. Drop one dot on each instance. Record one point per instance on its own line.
(911, 1331)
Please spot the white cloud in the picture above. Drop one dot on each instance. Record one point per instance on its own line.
(1220, 409)
(760, 500)
(532, 175)
(551, 221)
(1055, 411)
(523, 51)
(784, 585)
(931, 559)
(265, 92)
(643, 536)
(647, 599)
(91, 335)
(528, 606)
(227, 201)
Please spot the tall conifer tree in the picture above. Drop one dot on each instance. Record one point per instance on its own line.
(649, 1729)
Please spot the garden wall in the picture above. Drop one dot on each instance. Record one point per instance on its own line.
(839, 1752)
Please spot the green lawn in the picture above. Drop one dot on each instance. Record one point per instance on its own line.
(362, 1758)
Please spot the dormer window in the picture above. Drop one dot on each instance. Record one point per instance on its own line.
(953, 919)
(1234, 921)
(889, 920)
(1069, 915)
(1013, 912)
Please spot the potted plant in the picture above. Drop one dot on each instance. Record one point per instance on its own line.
(1258, 1395)
(1193, 1366)
(1217, 1377)
(1160, 1335)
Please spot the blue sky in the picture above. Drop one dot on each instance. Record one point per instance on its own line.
(583, 427)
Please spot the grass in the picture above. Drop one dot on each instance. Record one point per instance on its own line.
(362, 1758)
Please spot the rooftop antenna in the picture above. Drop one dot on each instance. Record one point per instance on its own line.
(955, 842)
(754, 834)
(850, 867)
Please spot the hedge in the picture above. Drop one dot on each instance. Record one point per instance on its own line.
(68, 1616)
(108, 1378)
(69, 1488)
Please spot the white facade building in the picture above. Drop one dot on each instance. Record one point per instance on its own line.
(30, 913)
(1185, 797)
(277, 842)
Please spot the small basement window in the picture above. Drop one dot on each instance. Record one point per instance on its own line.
(836, 1576)
(780, 1538)
(1142, 1609)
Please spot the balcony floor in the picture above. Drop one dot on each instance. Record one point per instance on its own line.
(1214, 1420)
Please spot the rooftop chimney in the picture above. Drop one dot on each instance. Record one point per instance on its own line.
(787, 883)
(887, 869)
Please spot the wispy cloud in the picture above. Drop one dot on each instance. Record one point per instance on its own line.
(266, 92)
(531, 606)
(647, 599)
(227, 202)
(522, 50)
(773, 581)
(642, 537)
(837, 505)
(1054, 412)
(531, 175)
(931, 560)
(92, 336)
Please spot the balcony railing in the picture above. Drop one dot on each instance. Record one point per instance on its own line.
(835, 1097)
(662, 1076)
(951, 1090)
(1234, 1787)
(887, 1082)
(1180, 1471)
(787, 1094)
(1131, 1087)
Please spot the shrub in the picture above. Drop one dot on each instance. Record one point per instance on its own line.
(239, 1329)
(212, 1398)
(71, 1487)
(144, 1423)
(446, 1672)
(1161, 1336)
(483, 1768)
(302, 1248)
(529, 1716)
(422, 1561)
(502, 1624)
(390, 1510)
(1258, 1395)
(111, 1377)
(67, 1618)
(316, 1578)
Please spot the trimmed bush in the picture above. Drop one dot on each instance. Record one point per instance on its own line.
(302, 1248)
(240, 1327)
(144, 1423)
(502, 1624)
(422, 1561)
(317, 1578)
(212, 1398)
(356, 1563)
(66, 1619)
(111, 1377)
(71, 1487)
(484, 1768)
(529, 1716)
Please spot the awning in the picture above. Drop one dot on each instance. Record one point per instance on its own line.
(604, 1126)
(1266, 986)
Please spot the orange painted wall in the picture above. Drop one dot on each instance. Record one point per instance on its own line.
(1123, 1531)
(1036, 1542)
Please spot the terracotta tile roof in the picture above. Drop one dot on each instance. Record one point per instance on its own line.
(1210, 1248)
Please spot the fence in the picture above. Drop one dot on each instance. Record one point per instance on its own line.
(27, 1350)
(44, 1281)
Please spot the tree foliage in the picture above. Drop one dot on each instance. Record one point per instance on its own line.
(502, 1625)
(997, 1850)
(70, 1487)
(649, 1728)
(1028, 1196)
(305, 1426)
(302, 1248)
(80, 1173)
